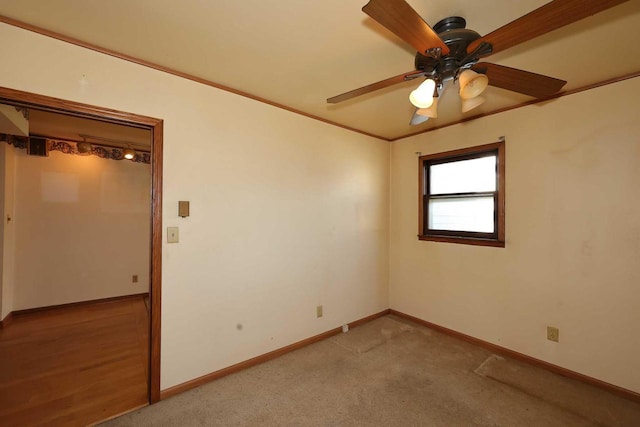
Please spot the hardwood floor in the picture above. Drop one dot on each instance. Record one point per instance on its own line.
(76, 365)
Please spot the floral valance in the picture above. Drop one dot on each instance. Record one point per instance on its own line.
(71, 147)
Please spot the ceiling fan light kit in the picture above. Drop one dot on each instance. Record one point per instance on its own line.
(471, 103)
(422, 96)
(418, 119)
(449, 52)
(431, 111)
(472, 84)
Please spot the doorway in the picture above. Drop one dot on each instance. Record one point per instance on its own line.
(74, 109)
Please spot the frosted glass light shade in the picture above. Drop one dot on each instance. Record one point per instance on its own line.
(432, 111)
(470, 104)
(472, 84)
(129, 153)
(422, 96)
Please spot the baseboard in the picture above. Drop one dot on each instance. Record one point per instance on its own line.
(177, 389)
(75, 304)
(4, 323)
(623, 392)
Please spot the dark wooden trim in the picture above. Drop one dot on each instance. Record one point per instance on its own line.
(18, 313)
(367, 319)
(43, 102)
(156, 262)
(172, 391)
(502, 192)
(623, 392)
(57, 105)
(77, 42)
(421, 184)
(4, 323)
(463, 241)
(524, 104)
(496, 239)
(177, 389)
(461, 151)
(96, 48)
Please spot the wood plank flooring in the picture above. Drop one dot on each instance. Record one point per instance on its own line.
(76, 365)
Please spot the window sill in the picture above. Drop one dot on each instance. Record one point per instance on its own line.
(463, 240)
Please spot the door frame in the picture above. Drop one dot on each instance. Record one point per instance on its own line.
(42, 102)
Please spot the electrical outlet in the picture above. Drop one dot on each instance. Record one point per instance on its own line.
(134, 278)
(553, 333)
(319, 311)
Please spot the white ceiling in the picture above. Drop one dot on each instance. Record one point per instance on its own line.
(298, 53)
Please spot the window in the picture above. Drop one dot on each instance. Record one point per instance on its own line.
(462, 196)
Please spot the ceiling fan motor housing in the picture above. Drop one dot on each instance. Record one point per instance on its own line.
(453, 33)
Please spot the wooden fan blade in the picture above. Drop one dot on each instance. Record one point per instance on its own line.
(375, 86)
(399, 18)
(520, 81)
(549, 17)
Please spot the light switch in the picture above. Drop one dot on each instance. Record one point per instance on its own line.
(172, 234)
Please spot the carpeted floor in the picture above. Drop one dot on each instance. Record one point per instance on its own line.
(390, 372)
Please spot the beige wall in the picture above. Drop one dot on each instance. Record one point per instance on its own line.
(7, 229)
(286, 212)
(82, 227)
(572, 256)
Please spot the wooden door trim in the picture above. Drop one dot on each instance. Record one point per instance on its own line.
(42, 102)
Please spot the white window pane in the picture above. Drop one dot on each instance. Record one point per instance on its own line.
(464, 176)
(467, 214)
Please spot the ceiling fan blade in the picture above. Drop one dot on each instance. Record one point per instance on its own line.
(520, 81)
(549, 17)
(375, 86)
(399, 18)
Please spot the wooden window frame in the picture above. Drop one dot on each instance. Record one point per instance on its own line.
(497, 238)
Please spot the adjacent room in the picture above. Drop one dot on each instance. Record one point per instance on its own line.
(76, 203)
(309, 240)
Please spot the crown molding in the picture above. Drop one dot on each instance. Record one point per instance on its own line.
(139, 61)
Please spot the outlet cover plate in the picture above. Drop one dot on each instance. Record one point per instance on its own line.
(172, 235)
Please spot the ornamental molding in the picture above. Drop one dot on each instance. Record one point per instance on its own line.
(71, 147)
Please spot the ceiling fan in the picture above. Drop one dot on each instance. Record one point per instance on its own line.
(450, 52)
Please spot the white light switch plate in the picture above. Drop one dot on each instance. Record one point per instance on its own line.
(172, 235)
